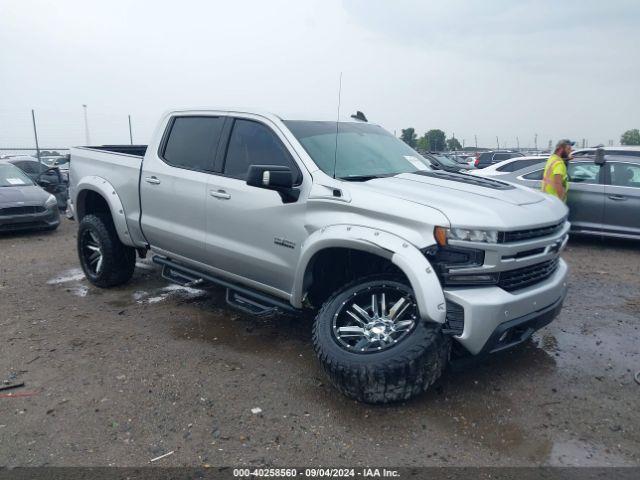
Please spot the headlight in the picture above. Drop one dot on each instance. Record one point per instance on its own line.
(443, 234)
(51, 202)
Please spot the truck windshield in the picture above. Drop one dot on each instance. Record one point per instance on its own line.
(363, 150)
(11, 176)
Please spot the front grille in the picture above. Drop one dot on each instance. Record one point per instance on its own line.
(527, 276)
(455, 319)
(21, 210)
(518, 235)
(526, 253)
(10, 227)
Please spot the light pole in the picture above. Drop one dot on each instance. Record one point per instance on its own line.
(86, 126)
(130, 133)
(35, 134)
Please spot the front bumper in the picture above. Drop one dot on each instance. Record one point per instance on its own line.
(34, 221)
(490, 311)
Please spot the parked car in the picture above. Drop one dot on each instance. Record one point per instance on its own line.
(466, 160)
(52, 179)
(507, 166)
(630, 151)
(443, 162)
(603, 199)
(485, 159)
(23, 204)
(469, 160)
(397, 260)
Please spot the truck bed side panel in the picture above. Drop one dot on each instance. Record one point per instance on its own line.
(120, 171)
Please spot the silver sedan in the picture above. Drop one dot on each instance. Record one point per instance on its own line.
(603, 199)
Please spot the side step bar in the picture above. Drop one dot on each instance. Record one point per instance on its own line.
(243, 298)
(247, 305)
(177, 276)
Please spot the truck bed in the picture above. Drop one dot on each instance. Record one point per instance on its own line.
(119, 166)
(135, 150)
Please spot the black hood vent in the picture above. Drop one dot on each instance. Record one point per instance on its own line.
(465, 178)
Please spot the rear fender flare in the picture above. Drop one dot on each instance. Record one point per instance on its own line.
(421, 275)
(102, 187)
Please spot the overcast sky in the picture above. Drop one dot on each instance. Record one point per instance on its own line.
(489, 68)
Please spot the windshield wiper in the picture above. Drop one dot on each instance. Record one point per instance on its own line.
(364, 178)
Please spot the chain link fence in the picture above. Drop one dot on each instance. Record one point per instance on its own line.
(57, 130)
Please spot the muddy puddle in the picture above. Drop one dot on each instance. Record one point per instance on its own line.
(539, 403)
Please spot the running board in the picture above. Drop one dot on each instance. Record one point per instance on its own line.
(181, 278)
(246, 299)
(247, 305)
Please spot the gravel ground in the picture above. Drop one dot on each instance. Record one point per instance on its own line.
(120, 376)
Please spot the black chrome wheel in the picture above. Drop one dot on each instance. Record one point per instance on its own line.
(375, 319)
(91, 251)
(105, 260)
(373, 343)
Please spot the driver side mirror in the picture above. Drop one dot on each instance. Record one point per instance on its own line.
(274, 177)
(599, 160)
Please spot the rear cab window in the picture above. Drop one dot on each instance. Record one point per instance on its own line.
(192, 141)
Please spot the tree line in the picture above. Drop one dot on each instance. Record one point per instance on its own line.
(432, 141)
(630, 137)
(436, 140)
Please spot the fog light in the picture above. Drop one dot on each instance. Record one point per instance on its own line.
(503, 337)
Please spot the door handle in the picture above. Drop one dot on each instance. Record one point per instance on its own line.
(617, 197)
(152, 180)
(221, 194)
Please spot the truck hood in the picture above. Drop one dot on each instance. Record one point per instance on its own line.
(19, 196)
(470, 201)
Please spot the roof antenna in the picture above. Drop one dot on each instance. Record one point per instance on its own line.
(359, 116)
(335, 155)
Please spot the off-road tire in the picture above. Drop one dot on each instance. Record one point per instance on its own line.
(395, 374)
(119, 260)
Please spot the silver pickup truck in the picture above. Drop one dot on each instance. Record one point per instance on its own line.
(400, 262)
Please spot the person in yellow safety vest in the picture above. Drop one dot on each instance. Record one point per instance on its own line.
(555, 180)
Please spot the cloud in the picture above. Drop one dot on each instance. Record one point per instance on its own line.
(491, 68)
(527, 33)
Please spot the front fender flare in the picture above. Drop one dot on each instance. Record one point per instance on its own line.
(419, 272)
(102, 187)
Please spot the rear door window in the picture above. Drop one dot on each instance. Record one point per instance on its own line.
(625, 175)
(192, 142)
(253, 143)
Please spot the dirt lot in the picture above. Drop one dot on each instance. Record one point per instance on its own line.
(121, 376)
